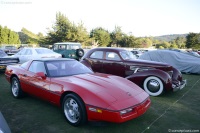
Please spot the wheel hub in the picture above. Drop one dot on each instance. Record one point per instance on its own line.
(153, 85)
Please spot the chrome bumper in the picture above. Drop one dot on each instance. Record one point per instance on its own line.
(180, 86)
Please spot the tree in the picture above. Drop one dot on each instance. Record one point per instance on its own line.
(28, 37)
(63, 31)
(117, 36)
(101, 35)
(163, 45)
(193, 40)
(180, 42)
(4, 35)
(128, 41)
(8, 36)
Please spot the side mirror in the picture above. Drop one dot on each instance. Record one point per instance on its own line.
(41, 74)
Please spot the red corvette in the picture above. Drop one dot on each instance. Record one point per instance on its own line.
(82, 94)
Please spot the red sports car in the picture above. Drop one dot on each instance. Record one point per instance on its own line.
(154, 77)
(82, 94)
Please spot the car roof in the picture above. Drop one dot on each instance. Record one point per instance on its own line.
(110, 48)
(67, 43)
(34, 48)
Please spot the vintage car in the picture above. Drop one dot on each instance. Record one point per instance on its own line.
(82, 94)
(7, 60)
(27, 54)
(183, 61)
(10, 50)
(153, 77)
(71, 50)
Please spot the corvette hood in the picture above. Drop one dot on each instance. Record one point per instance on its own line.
(109, 88)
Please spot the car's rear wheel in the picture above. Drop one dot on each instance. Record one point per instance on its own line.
(16, 88)
(153, 86)
(74, 110)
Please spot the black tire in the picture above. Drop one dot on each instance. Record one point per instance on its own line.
(74, 110)
(153, 86)
(16, 88)
(80, 52)
(63, 56)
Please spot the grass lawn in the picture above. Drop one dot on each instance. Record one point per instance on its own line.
(172, 111)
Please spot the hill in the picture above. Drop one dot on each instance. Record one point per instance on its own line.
(169, 37)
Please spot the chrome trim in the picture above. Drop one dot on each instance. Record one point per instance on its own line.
(180, 86)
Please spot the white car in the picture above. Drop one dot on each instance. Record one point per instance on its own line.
(27, 54)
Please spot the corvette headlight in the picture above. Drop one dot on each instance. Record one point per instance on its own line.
(95, 110)
(125, 111)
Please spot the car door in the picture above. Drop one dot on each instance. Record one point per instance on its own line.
(113, 64)
(96, 61)
(37, 85)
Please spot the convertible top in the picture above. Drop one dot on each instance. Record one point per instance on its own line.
(182, 61)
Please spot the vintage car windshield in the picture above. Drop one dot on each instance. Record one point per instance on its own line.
(127, 55)
(66, 68)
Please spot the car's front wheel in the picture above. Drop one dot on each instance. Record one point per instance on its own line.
(153, 86)
(74, 110)
(16, 88)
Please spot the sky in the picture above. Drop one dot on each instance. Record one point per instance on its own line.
(136, 17)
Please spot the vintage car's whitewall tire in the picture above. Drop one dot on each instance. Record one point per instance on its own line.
(74, 110)
(16, 88)
(153, 86)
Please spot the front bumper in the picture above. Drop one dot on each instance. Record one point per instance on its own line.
(116, 116)
(179, 86)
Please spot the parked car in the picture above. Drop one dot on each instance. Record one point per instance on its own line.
(138, 53)
(4, 128)
(10, 50)
(82, 94)
(182, 61)
(69, 50)
(7, 60)
(153, 77)
(27, 54)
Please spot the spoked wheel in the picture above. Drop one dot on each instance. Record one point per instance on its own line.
(16, 88)
(153, 86)
(74, 110)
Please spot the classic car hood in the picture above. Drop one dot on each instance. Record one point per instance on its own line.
(144, 63)
(111, 88)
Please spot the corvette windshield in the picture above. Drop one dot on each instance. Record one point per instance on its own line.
(66, 68)
(126, 55)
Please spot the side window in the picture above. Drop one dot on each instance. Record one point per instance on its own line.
(97, 55)
(55, 47)
(112, 56)
(37, 66)
(28, 52)
(22, 52)
(73, 46)
(62, 46)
